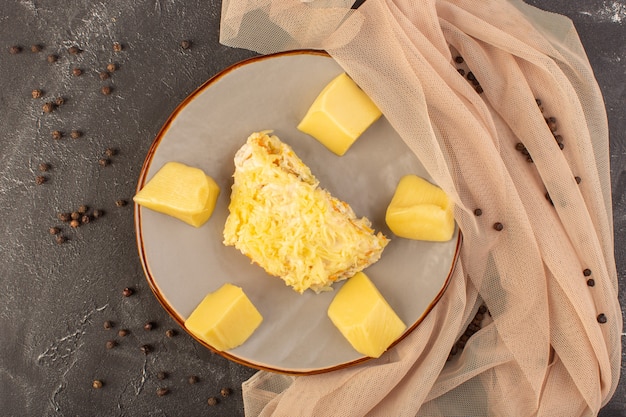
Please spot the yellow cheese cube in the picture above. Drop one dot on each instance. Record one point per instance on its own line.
(364, 317)
(420, 210)
(339, 115)
(225, 318)
(180, 191)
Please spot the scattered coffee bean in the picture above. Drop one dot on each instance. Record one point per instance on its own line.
(111, 344)
(162, 391)
(185, 44)
(478, 212)
(57, 134)
(498, 226)
(74, 224)
(121, 203)
(43, 167)
(82, 209)
(146, 349)
(97, 384)
(108, 324)
(52, 58)
(193, 380)
(459, 59)
(561, 146)
(77, 72)
(591, 282)
(461, 71)
(117, 47)
(104, 75)
(212, 401)
(48, 107)
(539, 105)
(127, 292)
(470, 76)
(471, 329)
(122, 332)
(170, 333)
(75, 134)
(162, 375)
(54, 230)
(60, 239)
(106, 90)
(74, 50)
(578, 180)
(64, 217)
(15, 49)
(110, 152)
(40, 179)
(551, 121)
(104, 162)
(225, 392)
(602, 318)
(148, 326)
(479, 89)
(97, 213)
(85, 219)
(36, 48)
(586, 272)
(36, 93)
(549, 199)
(111, 67)
(59, 101)
(75, 215)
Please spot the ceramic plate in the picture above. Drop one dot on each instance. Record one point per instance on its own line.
(183, 263)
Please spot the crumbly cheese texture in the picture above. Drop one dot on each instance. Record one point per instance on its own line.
(284, 222)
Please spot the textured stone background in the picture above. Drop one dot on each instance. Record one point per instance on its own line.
(54, 298)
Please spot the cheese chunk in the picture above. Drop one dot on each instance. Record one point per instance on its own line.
(283, 221)
(180, 191)
(420, 210)
(339, 115)
(364, 317)
(225, 318)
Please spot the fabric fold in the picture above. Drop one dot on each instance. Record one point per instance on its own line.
(498, 101)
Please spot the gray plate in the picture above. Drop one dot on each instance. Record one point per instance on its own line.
(183, 263)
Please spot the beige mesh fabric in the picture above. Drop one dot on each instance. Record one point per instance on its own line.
(543, 350)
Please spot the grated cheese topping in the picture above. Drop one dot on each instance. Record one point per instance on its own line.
(284, 222)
